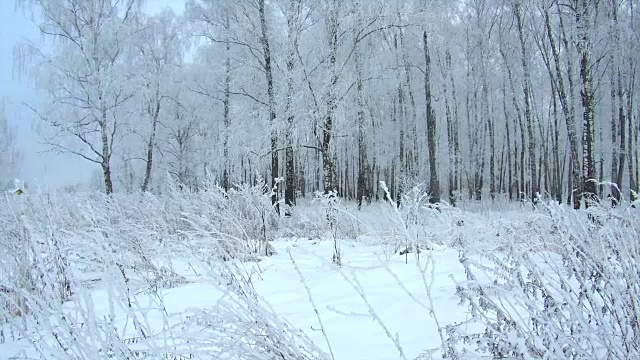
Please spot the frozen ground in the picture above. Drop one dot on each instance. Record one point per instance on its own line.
(344, 298)
(376, 305)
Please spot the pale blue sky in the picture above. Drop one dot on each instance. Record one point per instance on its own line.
(43, 169)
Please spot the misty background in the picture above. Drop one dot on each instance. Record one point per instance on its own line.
(39, 167)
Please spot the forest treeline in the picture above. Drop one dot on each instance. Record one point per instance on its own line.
(476, 99)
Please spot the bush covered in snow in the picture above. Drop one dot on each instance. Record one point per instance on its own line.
(60, 251)
(576, 299)
(91, 276)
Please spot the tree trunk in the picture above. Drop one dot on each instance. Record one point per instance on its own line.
(518, 165)
(570, 115)
(508, 141)
(588, 102)
(412, 153)
(363, 191)
(526, 88)
(266, 52)
(633, 179)
(434, 185)
(457, 178)
(565, 104)
(292, 42)
(444, 69)
(226, 183)
(617, 113)
(327, 128)
(105, 156)
(492, 141)
(155, 113)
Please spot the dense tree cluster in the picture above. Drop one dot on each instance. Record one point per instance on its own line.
(468, 98)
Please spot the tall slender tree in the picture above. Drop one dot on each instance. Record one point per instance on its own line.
(526, 91)
(9, 154)
(434, 182)
(161, 53)
(87, 83)
(584, 19)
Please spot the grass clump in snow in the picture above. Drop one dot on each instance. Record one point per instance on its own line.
(576, 299)
(94, 276)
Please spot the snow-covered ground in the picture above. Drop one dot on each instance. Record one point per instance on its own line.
(345, 297)
(362, 300)
(166, 299)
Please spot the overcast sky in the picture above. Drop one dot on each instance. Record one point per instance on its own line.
(39, 168)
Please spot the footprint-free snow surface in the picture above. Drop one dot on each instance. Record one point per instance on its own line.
(179, 299)
(372, 307)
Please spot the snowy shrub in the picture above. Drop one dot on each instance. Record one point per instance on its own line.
(415, 225)
(310, 223)
(240, 222)
(336, 217)
(56, 244)
(35, 263)
(325, 217)
(330, 203)
(67, 254)
(579, 301)
(135, 326)
(93, 276)
(241, 324)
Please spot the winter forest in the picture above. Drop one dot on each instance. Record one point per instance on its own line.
(309, 179)
(468, 99)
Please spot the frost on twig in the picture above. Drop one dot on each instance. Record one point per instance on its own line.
(579, 301)
(70, 256)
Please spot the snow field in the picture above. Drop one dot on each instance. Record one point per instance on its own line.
(153, 284)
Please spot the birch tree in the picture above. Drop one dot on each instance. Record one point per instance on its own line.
(296, 17)
(434, 183)
(331, 98)
(451, 114)
(566, 104)
(9, 155)
(584, 19)
(161, 51)
(271, 100)
(84, 78)
(216, 21)
(618, 113)
(364, 169)
(526, 89)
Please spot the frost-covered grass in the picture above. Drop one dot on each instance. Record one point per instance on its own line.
(211, 275)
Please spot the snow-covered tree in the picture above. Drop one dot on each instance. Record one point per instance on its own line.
(9, 155)
(83, 76)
